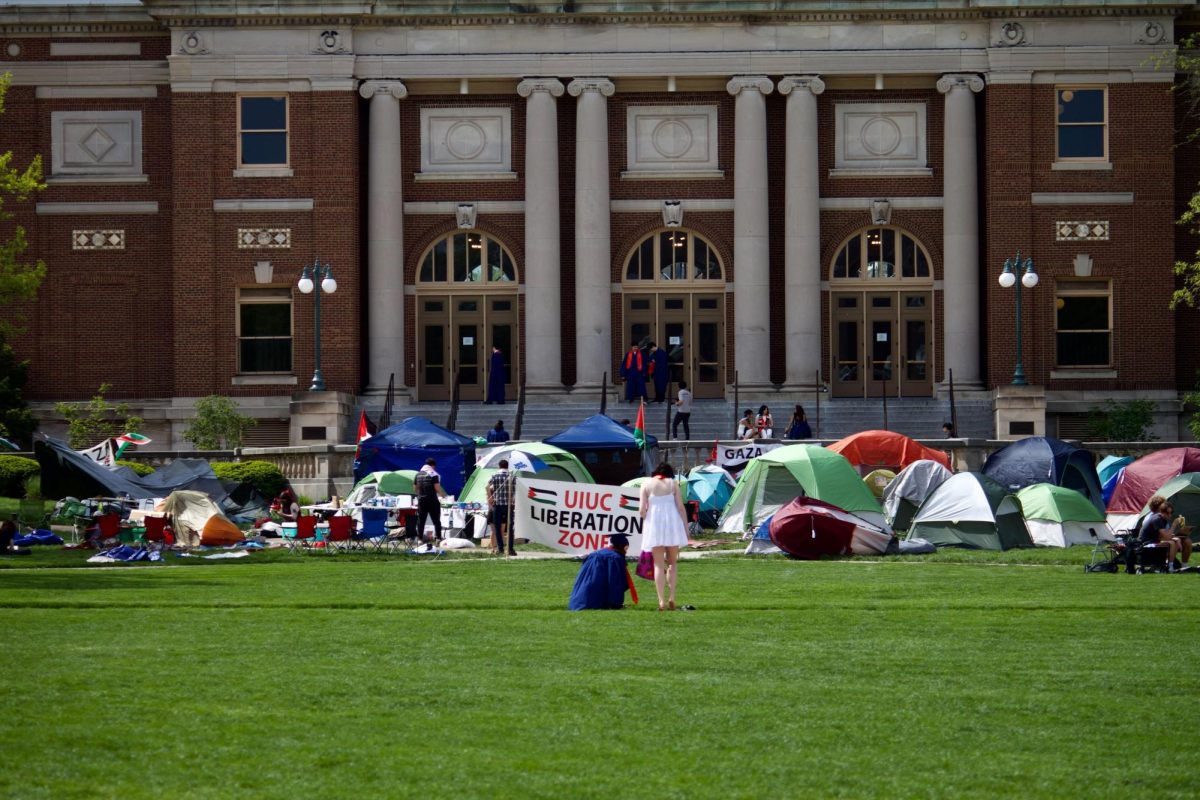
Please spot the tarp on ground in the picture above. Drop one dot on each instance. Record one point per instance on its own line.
(561, 465)
(1142, 479)
(886, 449)
(905, 495)
(971, 510)
(800, 470)
(409, 442)
(196, 520)
(808, 528)
(1041, 459)
(606, 447)
(66, 473)
(1060, 517)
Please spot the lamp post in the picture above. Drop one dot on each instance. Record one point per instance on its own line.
(323, 273)
(1008, 279)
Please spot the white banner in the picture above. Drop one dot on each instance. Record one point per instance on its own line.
(735, 456)
(576, 517)
(101, 453)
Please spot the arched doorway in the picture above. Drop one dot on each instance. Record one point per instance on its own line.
(881, 316)
(674, 295)
(466, 302)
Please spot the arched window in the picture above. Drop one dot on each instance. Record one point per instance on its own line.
(467, 258)
(674, 256)
(881, 254)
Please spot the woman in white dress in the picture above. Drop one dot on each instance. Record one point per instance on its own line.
(664, 528)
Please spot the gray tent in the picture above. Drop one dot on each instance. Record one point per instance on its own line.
(971, 510)
(906, 494)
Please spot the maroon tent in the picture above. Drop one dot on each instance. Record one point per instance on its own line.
(1144, 477)
(809, 528)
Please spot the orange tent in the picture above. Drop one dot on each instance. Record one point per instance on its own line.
(886, 449)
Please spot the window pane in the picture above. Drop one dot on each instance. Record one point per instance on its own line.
(264, 148)
(922, 265)
(264, 113)
(474, 257)
(908, 257)
(460, 257)
(699, 259)
(839, 264)
(646, 253)
(265, 355)
(426, 273)
(854, 257)
(1083, 314)
(1083, 349)
(673, 252)
(439, 261)
(633, 270)
(266, 319)
(1081, 105)
(1081, 141)
(673, 303)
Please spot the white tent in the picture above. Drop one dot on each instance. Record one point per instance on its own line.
(908, 492)
(1060, 517)
(196, 519)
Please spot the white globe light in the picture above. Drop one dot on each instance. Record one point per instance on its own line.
(1029, 280)
(305, 285)
(1007, 279)
(329, 285)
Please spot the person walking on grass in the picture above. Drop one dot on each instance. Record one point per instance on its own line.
(664, 530)
(499, 496)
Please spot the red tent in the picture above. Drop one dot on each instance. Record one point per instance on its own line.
(809, 528)
(886, 449)
(1143, 477)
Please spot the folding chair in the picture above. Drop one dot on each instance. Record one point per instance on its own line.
(156, 534)
(306, 534)
(108, 526)
(373, 530)
(341, 533)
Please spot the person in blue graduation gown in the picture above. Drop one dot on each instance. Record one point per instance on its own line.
(659, 372)
(633, 370)
(498, 435)
(497, 377)
(603, 578)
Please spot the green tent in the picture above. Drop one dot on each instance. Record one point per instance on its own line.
(971, 510)
(799, 470)
(374, 484)
(1060, 517)
(560, 465)
(1183, 492)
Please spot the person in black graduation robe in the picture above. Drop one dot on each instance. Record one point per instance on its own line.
(603, 578)
(659, 370)
(497, 378)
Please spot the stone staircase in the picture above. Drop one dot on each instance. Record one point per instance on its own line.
(920, 418)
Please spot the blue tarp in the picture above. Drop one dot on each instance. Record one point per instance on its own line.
(40, 536)
(409, 442)
(598, 432)
(1041, 459)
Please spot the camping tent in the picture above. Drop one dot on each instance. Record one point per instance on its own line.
(912, 486)
(409, 442)
(1110, 470)
(877, 480)
(1040, 459)
(396, 482)
(1060, 517)
(1183, 492)
(605, 446)
(196, 519)
(797, 470)
(808, 528)
(560, 465)
(1142, 479)
(711, 487)
(886, 449)
(971, 510)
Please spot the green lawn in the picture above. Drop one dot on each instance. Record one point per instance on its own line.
(297, 677)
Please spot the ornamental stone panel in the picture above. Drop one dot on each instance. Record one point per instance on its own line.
(671, 139)
(466, 140)
(101, 143)
(880, 136)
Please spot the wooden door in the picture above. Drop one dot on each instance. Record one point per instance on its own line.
(708, 336)
(434, 374)
(848, 344)
(882, 351)
(469, 355)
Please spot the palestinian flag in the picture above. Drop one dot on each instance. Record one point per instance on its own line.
(639, 427)
(365, 431)
(126, 439)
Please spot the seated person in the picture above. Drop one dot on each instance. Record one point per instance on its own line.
(8, 532)
(497, 435)
(1160, 527)
(603, 578)
(747, 427)
(289, 506)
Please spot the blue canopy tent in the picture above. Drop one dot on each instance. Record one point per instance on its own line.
(606, 447)
(1041, 459)
(409, 442)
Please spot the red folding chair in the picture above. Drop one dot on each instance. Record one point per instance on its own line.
(156, 533)
(341, 533)
(108, 526)
(306, 534)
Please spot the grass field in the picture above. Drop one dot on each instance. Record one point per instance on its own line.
(312, 677)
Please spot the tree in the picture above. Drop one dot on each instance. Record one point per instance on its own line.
(1122, 422)
(218, 425)
(16, 420)
(93, 422)
(19, 280)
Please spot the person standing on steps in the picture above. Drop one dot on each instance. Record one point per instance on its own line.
(683, 412)
(633, 370)
(664, 529)
(498, 435)
(660, 371)
(497, 378)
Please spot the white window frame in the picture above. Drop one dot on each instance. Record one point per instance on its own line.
(1084, 287)
(282, 292)
(1103, 157)
(863, 280)
(451, 285)
(286, 130)
(707, 284)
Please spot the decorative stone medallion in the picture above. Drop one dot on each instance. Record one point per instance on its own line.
(264, 238)
(671, 138)
(1076, 231)
(875, 136)
(97, 240)
(466, 140)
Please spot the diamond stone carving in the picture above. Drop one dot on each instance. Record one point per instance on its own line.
(1081, 231)
(97, 240)
(264, 238)
(97, 143)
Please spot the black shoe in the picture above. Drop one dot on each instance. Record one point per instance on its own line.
(512, 552)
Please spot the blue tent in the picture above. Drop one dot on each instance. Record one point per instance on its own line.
(606, 447)
(409, 442)
(711, 487)
(1109, 469)
(1041, 459)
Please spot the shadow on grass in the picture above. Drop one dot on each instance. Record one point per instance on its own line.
(77, 580)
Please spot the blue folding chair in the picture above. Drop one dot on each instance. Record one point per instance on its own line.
(373, 530)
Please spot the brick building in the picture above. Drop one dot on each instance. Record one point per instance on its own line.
(823, 195)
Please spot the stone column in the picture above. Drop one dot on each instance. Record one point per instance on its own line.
(543, 291)
(802, 266)
(751, 247)
(960, 229)
(593, 251)
(385, 237)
